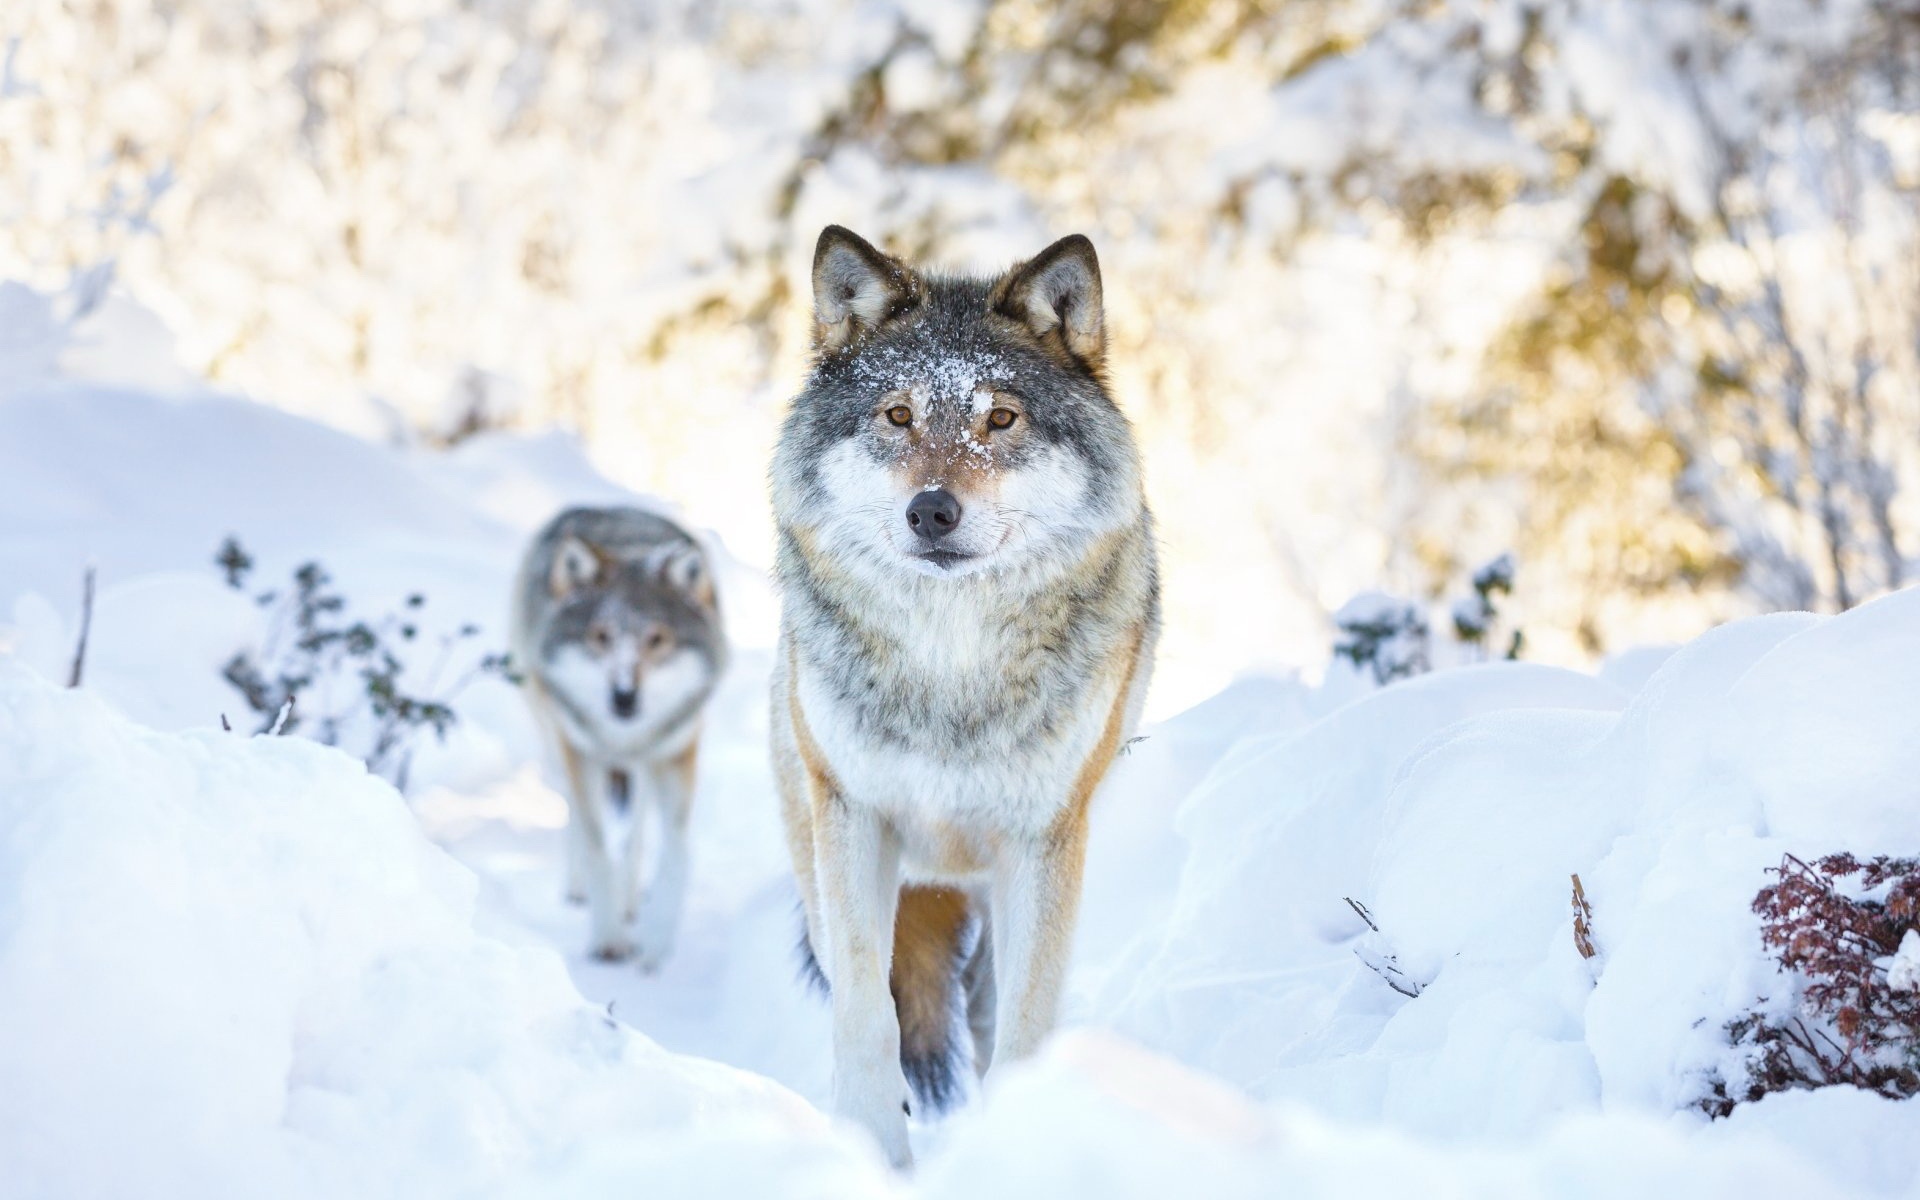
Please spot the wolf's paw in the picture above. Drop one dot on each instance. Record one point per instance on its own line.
(877, 1100)
(612, 949)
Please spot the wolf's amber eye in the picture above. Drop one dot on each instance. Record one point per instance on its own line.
(599, 638)
(900, 414)
(1002, 418)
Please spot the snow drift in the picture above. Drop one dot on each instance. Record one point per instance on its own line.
(233, 966)
(1456, 809)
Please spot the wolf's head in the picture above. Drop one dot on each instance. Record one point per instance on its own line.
(954, 426)
(631, 641)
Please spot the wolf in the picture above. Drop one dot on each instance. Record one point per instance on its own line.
(969, 610)
(617, 636)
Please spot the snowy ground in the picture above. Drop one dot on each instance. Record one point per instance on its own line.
(233, 965)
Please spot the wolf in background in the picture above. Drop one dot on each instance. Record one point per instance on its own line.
(616, 632)
(970, 605)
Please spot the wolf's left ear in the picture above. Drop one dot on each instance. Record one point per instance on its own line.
(1057, 292)
(856, 288)
(575, 565)
(685, 569)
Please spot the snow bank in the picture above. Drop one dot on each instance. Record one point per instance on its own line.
(1098, 1117)
(1455, 808)
(234, 966)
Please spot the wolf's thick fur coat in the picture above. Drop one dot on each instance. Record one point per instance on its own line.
(616, 634)
(944, 710)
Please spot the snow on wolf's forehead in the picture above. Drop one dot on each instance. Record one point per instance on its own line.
(932, 374)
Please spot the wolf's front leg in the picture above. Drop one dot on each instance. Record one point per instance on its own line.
(671, 795)
(606, 901)
(857, 860)
(1036, 893)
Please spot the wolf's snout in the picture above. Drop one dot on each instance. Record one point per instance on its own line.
(933, 514)
(626, 701)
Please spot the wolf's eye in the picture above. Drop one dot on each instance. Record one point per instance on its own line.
(599, 638)
(1002, 418)
(656, 641)
(900, 414)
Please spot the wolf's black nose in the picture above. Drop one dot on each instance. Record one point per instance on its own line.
(933, 514)
(625, 702)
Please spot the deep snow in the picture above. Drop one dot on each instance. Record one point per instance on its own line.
(239, 965)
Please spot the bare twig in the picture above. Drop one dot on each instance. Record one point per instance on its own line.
(1361, 910)
(1383, 964)
(1582, 921)
(86, 627)
(1387, 967)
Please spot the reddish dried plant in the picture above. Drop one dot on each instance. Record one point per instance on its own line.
(1582, 921)
(1834, 923)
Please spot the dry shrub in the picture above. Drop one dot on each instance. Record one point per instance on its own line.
(1835, 924)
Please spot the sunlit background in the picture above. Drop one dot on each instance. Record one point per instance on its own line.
(1631, 289)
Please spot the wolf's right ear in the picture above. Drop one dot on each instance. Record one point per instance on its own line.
(856, 289)
(575, 565)
(1056, 295)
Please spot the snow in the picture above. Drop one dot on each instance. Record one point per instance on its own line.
(240, 960)
(240, 965)
(1903, 969)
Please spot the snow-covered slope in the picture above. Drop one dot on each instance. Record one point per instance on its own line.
(239, 965)
(233, 966)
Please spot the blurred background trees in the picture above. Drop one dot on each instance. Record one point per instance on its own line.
(1631, 287)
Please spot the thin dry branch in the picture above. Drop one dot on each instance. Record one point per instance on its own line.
(1382, 963)
(1360, 910)
(1582, 921)
(86, 627)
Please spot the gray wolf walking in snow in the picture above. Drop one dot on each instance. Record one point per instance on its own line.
(970, 605)
(616, 632)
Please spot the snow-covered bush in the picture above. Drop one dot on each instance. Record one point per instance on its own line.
(1476, 617)
(1847, 933)
(1383, 635)
(343, 679)
(1390, 638)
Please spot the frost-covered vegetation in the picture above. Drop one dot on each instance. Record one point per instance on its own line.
(341, 678)
(1628, 286)
(1388, 638)
(1847, 933)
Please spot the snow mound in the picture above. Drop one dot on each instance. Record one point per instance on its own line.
(234, 966)
(1099, 1117)
(1455, 810)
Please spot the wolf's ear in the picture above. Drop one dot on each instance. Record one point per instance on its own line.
(686, 570)
(575, 565)
(1057, 293)
(856, 289)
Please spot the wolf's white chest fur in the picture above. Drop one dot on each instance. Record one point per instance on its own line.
(952, 808)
